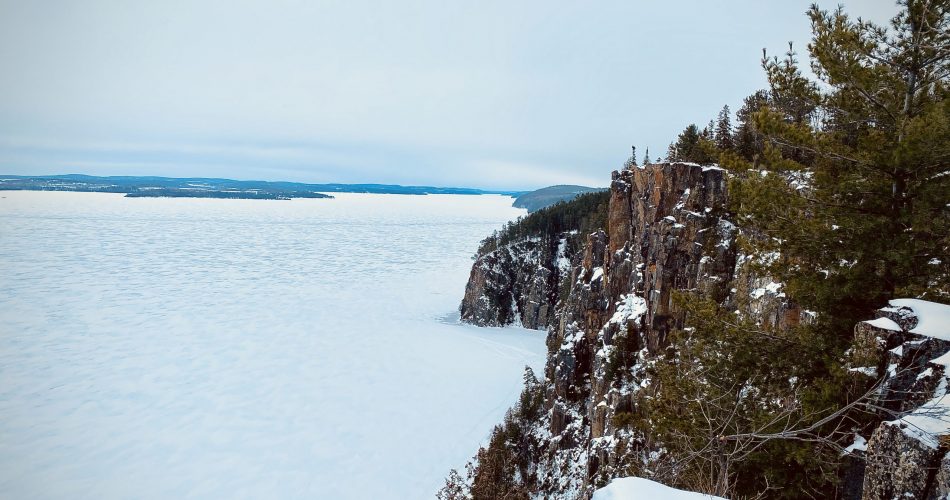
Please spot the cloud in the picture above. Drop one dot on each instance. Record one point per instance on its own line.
(367, 91)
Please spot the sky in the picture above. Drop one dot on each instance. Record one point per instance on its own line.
(491, 94)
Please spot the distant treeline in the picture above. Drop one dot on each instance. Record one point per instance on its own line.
(242, 195)
(585, 213)
(147, 184)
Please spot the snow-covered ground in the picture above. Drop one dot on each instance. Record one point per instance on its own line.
(166, 348)
(636, 488)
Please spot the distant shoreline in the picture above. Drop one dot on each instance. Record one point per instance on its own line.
(170, 187)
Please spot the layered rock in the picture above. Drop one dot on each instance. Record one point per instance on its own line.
(667, 230)
(519, 283)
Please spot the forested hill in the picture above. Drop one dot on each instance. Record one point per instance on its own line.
(764, 314)
(545, 197)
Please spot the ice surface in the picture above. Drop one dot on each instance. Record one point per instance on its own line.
(636, 488)
(199, 348)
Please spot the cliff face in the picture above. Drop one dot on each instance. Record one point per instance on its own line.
(606, 299)
(520, 283)
(610, 310)
(666, 231)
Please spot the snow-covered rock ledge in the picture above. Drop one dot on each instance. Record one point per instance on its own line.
(909, 344)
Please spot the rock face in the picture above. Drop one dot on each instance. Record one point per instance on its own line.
(905, 457)
(519, 283)
(606, 299)
(666, 231)
(898, 465)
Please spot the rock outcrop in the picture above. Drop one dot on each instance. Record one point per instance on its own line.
(519, 283)
(906, 455)
(666, 230)
(607, 301)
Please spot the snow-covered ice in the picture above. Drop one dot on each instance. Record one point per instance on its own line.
(199, 348)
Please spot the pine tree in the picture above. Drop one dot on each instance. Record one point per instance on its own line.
(851, 205)
(708, 131)
(687, 142)
(749, 143)
(693, 146)
(865, 217)
(646, 157)
(632, 161)
(671, 154)
(723, 135)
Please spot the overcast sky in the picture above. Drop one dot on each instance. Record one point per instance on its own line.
(496, 94)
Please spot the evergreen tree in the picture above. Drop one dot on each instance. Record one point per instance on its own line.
(749, 143)
(632, 161)
(723, 135)
(646, 157)
(686, 143)
(708, 131)
(851, 208)
(692, 146)
(869, 199)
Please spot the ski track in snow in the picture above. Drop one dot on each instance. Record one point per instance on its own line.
(194, 348)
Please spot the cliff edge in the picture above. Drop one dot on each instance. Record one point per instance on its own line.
(608, 299)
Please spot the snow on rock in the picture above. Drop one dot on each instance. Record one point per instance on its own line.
(631, 306)
(637, 488)
(870, 371)
(518, 283)
(933, 319)
(913, 338)
(884, 323)
(598, 273)
(859, 444)
(929, 421)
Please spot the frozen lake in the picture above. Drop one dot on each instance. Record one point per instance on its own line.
(165, 348)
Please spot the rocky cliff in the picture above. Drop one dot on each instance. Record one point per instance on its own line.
(906, 348)
(519, 283)
(607, 301)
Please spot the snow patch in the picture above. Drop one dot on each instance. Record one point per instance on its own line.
(884, 323)
(930, 420)
(933, 319)
(597, 274)
(636, 488)
(859, 444)
(870, 371)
